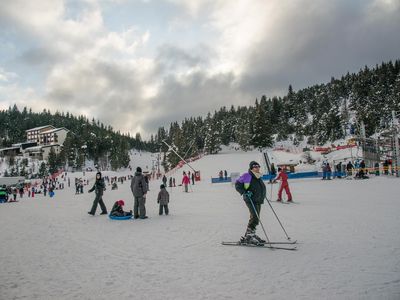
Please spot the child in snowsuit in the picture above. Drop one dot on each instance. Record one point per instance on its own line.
(118, 211)
(163, 200)
(252, 188)
(99, 188)
(284, 185)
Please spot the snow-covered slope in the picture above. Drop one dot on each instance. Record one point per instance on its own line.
(347, 232)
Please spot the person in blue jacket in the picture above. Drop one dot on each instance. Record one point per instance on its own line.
(252, 188)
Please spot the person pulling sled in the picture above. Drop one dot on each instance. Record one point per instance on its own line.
(252, 188)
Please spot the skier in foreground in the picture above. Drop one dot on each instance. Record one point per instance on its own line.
(253, 191)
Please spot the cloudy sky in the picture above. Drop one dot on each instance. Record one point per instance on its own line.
(140, 64)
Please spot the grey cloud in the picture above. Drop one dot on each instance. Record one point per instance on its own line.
(196, 97)
(317, 41)
(108, 90)
(40, 56)
(176, 56)
(170, 56)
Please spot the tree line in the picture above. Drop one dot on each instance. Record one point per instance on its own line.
(86, 139)
(322, 112)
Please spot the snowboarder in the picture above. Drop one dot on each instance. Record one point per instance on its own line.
(253, 191)
(163, 200)
(284, 185)
(139, 190)
(99, 188)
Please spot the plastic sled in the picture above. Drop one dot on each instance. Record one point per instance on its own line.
(120, 218)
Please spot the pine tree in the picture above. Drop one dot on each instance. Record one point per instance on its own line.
(262, 136)
(52, 161)
(43, 170)
(212, 140)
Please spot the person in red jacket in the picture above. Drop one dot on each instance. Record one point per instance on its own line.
(185, 181)
(284, 185)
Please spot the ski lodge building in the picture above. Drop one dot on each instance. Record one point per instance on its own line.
(39, 142)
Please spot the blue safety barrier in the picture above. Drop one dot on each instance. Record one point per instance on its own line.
(220, 180)
(267, 177)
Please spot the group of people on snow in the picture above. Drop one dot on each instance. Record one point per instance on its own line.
(139, 188)
(223, 175)
(356, 170)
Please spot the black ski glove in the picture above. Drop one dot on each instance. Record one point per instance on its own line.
(247, 196)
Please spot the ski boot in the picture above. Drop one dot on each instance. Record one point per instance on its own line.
(260, 240)
(250, 238)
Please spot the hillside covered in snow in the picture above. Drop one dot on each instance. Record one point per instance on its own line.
(346, 231)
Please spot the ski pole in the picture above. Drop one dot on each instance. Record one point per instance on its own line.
(277, 218)
(272, 186)
(258, 217)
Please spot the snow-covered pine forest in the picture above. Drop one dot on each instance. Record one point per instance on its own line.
(318, 114)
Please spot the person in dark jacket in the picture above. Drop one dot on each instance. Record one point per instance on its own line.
(99, 188)
(163, 200)
(139, 190)
(349, 169)
(164, 180)
(118, 211)
(253, 191)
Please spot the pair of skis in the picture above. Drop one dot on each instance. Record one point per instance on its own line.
(270, 245)
(284, 202)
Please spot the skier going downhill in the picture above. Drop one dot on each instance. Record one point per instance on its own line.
(253, 191)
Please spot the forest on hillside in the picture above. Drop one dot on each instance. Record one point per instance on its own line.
(86, 139)
(321, 113)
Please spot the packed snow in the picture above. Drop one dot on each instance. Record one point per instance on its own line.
(347, 233)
